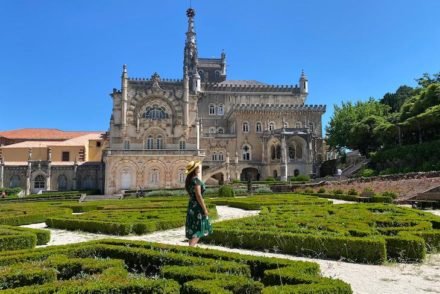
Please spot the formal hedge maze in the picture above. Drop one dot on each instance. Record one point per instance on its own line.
(364, 233)
(118, 266)
(123, 218)
(12, 238)
(257, 202)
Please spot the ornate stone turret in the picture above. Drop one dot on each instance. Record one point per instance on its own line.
(190, 60)
(223, 58)
(124, 99)
(303, 83)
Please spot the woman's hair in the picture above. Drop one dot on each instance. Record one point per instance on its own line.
(189, 177)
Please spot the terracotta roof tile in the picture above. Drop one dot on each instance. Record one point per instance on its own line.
(43, 134)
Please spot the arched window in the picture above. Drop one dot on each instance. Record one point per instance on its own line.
(154, 176)
(220, 131)
(14, 182)
(286, 125)
(39, 182)
(291, 152)
(273, 152)
(211, 109)
(245, 127)
(182, 176)
(258, 128)
(62, 183)
(155, 112)
(214, 156)
(298, 125)
(159, 142)
(278, 151)
(220, 156)
(182, 145)
(220, 109)
(246, 152)
(271, 126)
(212, 130)
(217, 74)
(149, 143)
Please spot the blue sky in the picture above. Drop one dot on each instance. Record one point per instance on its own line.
(61, 59)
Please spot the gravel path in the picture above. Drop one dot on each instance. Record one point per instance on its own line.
(374, 279)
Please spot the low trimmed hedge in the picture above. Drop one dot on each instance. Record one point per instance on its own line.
(367, 233)
(43, 236)
(121, 266)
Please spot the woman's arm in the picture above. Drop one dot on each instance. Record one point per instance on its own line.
(198, 192)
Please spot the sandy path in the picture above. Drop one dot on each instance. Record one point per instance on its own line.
(375, 279)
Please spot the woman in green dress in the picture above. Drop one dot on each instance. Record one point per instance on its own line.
(197, 216)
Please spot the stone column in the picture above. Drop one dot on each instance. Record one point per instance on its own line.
(228, 176)
(2, 173)
(49, 170)
(283, 169)
(198, 134)
(75, 171)
(29, 173)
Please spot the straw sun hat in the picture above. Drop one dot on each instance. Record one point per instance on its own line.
(192, 166)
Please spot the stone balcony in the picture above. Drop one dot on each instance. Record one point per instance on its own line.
(156, 152)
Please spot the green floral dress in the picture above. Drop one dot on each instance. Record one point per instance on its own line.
(197, 225)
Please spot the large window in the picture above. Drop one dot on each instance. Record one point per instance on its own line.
(39, 182)
(14, 181)
(214, 156)
(275, 152)
(62, 183)
(258, 127)
(155, 113)
(220, 130)
(211, 109)
(65, 156)
(127, 145)
(154, 176)
(271, 126)
(220, 109)
(159, 142)
(182, 145)
(246, 152)
(182, 175)
(245, 127)
(220, 156)
(149, 143)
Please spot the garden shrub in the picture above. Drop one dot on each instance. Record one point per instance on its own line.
(226, 191)
(321, 190)
(338, 192)
(121, 266)
(352, 191)
(389, 194)
(368, 172)
(368, 233)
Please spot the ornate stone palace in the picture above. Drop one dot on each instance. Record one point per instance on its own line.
(240, 129)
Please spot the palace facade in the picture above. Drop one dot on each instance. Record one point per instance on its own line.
(239, 129)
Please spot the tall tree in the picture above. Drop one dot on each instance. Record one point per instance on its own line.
(343, 124)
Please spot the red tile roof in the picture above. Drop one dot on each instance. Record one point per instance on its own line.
(43, 134)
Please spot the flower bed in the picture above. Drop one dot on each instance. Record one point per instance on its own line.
(118, 266)
(365, 233)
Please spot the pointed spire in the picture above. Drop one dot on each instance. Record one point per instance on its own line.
(190, 60)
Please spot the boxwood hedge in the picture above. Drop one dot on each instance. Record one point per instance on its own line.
(120, 266)
(366, 233)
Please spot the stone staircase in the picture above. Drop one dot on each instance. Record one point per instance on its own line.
(352, 169)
